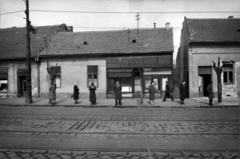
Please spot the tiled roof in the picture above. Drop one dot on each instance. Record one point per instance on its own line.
(13, 41)
(111, 42)
(214, 30)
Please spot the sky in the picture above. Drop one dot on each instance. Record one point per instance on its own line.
(87, 15)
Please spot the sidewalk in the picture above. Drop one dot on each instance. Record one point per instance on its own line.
(110, 102)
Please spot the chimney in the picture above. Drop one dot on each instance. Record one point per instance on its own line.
(167, 25)
(154, 24)
(70, 29)
(230, 17)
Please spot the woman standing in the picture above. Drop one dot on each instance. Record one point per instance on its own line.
(75, 93)
(92, 96)
(52, 94)
(182, 92)
(152, 91)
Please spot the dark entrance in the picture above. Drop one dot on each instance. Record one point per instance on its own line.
(22, 86)
(205, 77)
(22, 83)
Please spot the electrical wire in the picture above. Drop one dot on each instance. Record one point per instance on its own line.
(12, 12)
(134, 12)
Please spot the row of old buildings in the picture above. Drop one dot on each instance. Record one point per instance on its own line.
(104, 57)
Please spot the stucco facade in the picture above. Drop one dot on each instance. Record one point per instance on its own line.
(73, 70)
(203, 56)
(202, 42)
(14, 71)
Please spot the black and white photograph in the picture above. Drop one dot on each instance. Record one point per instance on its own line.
(119, 79)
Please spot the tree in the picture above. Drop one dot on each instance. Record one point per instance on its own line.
(218, 69)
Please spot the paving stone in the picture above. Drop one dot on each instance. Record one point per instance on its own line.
(186, 153)
(205, 154)
(215, 154)
(40, 151)
(52, 151)
(26, 151)
(105, 157)
(174, 154)
(161, 153)
(66, 157)
(79, 157)
(64, 152)
(196, 154)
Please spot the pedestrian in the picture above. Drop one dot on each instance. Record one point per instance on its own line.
(92, 96)
(152, 91)
(210, 93)
(168, 93)
(75, 93)
(118, 93)
(52, 94)
(182, 92)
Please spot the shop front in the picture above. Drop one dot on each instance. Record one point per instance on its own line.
(128, 70)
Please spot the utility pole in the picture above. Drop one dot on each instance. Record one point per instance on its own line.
(28, 99)
(137, 18)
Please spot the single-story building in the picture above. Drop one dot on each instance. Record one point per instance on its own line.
(13, 58)
(104, 57)
(202, 42)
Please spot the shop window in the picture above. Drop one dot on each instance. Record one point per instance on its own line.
(58, 77)
(148, 80)
(228, 74)
(92, 75)
(125, 82)
(3, 82)
(137, 84)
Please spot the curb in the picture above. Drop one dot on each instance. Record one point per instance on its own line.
(127, 106)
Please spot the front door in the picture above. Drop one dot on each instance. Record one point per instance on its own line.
(22, 86)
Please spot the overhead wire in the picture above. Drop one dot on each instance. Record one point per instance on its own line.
(134, 12)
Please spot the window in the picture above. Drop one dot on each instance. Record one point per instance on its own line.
(3, 82)
(228, 74)
(92, 75)
(58, 76)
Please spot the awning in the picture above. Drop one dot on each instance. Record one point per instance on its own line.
(158, 73)
(119, 74)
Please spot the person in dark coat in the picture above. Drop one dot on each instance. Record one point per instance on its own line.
(75, 93)
(52, 94)
(182, 92)
(92, 96)
(152, 91)
(168, 93)
(210, 93)
(118, 93)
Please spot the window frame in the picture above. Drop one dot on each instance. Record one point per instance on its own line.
(92, 75)
(227, 70)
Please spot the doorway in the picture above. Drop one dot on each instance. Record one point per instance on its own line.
(204, 81)
(204, 77)
(22, 86)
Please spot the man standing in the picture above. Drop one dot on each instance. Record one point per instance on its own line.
(168, 93)
(182, 92)
(210, 93)
(118, 93)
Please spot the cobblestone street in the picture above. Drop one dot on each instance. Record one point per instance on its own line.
(74, 133)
